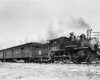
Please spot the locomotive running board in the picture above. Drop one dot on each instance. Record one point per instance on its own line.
(81, 48)
(70, 46)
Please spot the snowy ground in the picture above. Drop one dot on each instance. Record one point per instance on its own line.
(32, 71)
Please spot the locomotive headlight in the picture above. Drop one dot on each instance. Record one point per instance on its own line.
(93, 44)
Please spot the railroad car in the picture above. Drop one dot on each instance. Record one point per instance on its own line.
(21, 52)
(41, 53)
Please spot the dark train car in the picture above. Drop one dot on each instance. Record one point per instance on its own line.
(1, 55)
(41, 53)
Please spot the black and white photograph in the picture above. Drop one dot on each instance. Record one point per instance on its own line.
(49, 39)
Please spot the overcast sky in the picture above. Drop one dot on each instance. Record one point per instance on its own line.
(25, 19)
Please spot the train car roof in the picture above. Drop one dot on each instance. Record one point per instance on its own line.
(25, 45)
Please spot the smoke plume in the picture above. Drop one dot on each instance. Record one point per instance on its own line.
(62, 27)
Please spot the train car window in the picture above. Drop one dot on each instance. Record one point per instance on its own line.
(22, 48)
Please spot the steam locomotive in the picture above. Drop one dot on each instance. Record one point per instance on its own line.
(61, 49)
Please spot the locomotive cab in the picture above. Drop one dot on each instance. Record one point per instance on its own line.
(56, 43)
(58, 50)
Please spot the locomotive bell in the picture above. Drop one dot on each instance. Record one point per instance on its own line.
(71, 33)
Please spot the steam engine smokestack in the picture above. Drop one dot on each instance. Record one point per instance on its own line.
(89, 34)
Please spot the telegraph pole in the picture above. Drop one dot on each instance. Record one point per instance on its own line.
(97, 34)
